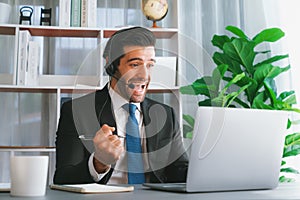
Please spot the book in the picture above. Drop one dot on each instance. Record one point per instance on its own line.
(33, 63)
(64, 13)
(75, 13)
(92, 188)
(92, 13)
(24, 38)
(84, 15)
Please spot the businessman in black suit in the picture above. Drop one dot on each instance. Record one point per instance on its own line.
(130, 55)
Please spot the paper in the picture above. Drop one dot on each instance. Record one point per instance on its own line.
(92, 188)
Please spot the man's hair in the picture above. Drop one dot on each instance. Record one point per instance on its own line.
(114, 50)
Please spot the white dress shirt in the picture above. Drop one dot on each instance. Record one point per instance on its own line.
(119, 175)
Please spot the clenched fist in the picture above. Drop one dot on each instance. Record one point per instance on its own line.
(108, 148)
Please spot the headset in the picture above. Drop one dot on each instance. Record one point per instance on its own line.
(110, 67)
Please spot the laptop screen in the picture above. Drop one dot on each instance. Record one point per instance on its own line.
(236, 149)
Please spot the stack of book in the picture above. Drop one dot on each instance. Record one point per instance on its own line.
(28, 60)
(78, 13)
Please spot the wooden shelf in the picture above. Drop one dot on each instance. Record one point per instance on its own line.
(27, 148)
(70, 89)
(27, 89)
(78, 90)
(56, 31)
(47, 89)
(7, 29)
(160, 33)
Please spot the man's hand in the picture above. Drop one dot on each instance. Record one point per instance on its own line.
(108, 148)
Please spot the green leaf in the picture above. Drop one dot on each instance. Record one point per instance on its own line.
(222, 98)
(187, 130)
(206, 102)
(252, 90)
(200, 86)
(238, 32)
(263, 52)
(292, 139)
(258, 104)
(230, 97)
(294, 109)
(218, 74)
(292, 150)
(283, 179)
(283, 162)
(289, 170)
(288, 97)
(233, 66)
(189, 135)
(218, 101)
(268, 35)
(270, 86)
(234, 80)
(278, 103)
(242, 103)
(272, 59)
(267, 71)
(220, 40)
(187, 90)
(289, 124)
(241, 51)
(189, 119)
(292, 145)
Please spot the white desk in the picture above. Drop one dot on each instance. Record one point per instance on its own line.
(284, 191)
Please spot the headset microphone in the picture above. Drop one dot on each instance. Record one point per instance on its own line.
(130, 85)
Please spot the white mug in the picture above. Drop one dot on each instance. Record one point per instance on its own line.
(28, 175)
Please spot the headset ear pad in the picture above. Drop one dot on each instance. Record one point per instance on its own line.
(110, 69)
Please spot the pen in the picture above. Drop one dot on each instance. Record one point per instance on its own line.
(83, 137)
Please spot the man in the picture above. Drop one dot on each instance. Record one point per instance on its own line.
(105, 115)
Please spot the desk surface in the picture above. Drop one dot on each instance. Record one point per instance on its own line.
(283, 191)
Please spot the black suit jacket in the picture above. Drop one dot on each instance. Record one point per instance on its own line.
(85, 115)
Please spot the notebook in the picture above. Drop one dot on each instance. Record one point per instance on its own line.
(233, 149)
(92, 188)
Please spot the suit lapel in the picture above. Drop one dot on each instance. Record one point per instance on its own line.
(151, 141)
(104, 108)
(105, 116)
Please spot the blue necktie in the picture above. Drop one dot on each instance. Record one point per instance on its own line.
(134, 149)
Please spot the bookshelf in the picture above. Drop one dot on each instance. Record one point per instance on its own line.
(54, 86)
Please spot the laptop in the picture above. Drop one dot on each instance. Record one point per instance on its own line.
(233, 149)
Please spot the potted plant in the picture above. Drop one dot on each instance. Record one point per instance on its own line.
(240, 79)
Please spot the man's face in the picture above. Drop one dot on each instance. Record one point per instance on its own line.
(134, 72)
